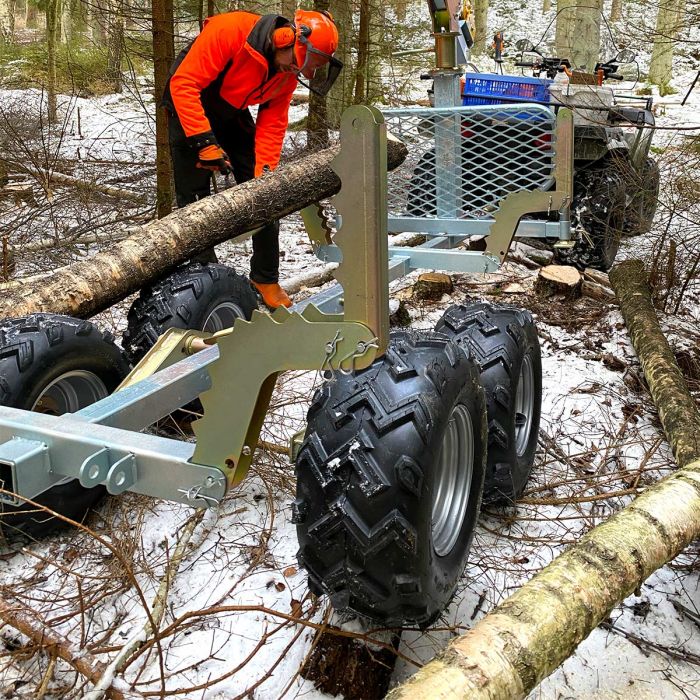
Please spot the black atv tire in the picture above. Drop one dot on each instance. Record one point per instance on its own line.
(55, 364)
(644, 187)
(598, 207)
(196, 296)
(369, 481)
(503, 341)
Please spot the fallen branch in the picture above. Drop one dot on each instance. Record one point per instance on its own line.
(58, 645)
(530, 634)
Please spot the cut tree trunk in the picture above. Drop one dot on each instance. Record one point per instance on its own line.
(596, 291)
(558, 279)
(677, 408)
(350, 667)
(88, 287)
(529, 635)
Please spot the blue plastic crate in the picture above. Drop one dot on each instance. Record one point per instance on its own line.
(491, 88)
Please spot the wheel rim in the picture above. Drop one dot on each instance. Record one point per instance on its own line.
(524, 406)
(222, 316)
(455, 468)
(70, 392)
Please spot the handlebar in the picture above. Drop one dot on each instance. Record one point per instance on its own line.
(524, 64)
(614, 76)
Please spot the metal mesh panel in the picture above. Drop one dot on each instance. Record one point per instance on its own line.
(462, 161)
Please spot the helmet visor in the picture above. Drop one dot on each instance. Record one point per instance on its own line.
(314, 60)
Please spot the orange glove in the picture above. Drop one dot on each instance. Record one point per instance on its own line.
(215, 159)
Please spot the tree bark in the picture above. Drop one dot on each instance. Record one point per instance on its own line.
(525, 638)
(677, 409)
(668, 24)
(317, 119)
(361, 77)
(163, 55)
(7, 20)
(53, 12)
(88, 287)
(616, 10)
(578, 32)
(115, 44)
(481, 15)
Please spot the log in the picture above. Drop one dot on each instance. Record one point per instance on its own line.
(677, 409)
(596, 291)
(154, 249)
(597, 276)
(558, 279)
(525, 638)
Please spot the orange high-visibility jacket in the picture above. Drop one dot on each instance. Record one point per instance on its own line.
(235, 45)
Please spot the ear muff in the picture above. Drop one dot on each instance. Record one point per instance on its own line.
(283, 38)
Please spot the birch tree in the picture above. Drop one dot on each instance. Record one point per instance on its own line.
(7, 20)
(668, 24)
(578, 32)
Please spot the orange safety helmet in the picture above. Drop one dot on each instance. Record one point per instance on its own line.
(316, 42)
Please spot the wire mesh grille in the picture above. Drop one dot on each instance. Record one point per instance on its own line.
(462, 161)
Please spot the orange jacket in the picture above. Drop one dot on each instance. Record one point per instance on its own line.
(235, 44)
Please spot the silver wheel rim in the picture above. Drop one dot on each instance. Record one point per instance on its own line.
(222, 316)
(524, 403)
(70, 392)
(455, 468)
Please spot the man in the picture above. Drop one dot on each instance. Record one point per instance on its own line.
(242, 59)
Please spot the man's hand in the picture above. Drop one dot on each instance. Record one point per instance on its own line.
(215, 159)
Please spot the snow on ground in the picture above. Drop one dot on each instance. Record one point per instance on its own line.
(229, 625)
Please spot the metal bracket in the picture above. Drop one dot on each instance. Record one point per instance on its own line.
(513, 207)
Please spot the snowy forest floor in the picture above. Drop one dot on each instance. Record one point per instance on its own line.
(239, 620)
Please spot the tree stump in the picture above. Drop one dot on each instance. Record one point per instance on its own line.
(558, 279)
(350, 667)
(432, 285)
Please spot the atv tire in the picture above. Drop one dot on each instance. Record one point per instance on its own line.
(598, 207)
(55, 364)
(389, 481)
(205, 297)
(644, 187)
(503, 342)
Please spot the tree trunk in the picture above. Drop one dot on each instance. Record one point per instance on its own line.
(53, 12)
(7, 20)
(578, 32)
(677, 409)
(525, 638)
(317, 119)
(90, 286)
(361, 76)
(668, 24)
(616, 10)
(31, 16)
(115, 45)
(481, 16)
(163, 55)
(340, 97)
(546, 6)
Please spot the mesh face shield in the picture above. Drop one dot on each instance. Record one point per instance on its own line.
(314, 60)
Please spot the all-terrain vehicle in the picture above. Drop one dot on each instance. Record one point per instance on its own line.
(615, 181)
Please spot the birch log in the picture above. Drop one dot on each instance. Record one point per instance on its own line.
(88, 287)
(529, 635)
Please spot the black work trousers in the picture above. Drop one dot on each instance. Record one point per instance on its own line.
(236, 135)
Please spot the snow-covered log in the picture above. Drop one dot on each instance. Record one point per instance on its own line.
(529, 635)
(88, 287)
